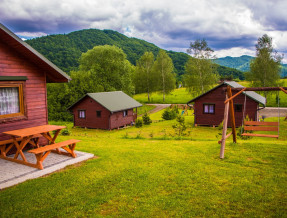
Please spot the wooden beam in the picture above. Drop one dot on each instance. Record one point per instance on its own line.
(257, 123)
(282, 89)
(232, 116)
(258, 89)
(227, 136)
(224, 129)
(230, 98)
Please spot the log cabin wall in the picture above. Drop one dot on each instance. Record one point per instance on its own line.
(107, 120)
(91, 119)
(35, 95)
(118, 119)
(217, 97)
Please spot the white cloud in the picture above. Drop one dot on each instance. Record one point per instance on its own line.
(234, 52)
(31, 34)
(232, 26)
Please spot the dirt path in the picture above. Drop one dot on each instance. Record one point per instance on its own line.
(158, 107)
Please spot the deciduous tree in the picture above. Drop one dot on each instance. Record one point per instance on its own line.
(265, 68)
(144, 78)
(163, 69)
(110, 68)
(201, 72)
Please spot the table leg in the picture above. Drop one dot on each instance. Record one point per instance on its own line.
(20, 147)
(48, 136)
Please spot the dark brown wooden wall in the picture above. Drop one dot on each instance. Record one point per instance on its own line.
(35, 95)
(107, 119)
(217, 97)
(118, 120)
(91, 121)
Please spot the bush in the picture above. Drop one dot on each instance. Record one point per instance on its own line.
(65, 132)
(170, 114)
(139, 123)
(146, 119)
(180, 126)
(220, 126)
(241, 129)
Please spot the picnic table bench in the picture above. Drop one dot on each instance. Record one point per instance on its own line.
(22, 137)
(42, 152)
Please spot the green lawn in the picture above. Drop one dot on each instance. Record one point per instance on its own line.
(147, 172)
(181, 96)
(177, 96)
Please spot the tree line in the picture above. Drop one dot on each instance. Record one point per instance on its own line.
(65, 50)
(106, 68)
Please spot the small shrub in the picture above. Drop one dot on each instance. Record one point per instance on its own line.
(65, 132)
(139, 123)
(139, 135)
(241, 129)
(170, 114)
(146, 119)
(151, 135)
(180, 126)
(220, 126)
(126, 136)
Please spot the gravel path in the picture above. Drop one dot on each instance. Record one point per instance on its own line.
(273, 112)
(158, 107)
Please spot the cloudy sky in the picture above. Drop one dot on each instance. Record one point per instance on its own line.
(231, 27)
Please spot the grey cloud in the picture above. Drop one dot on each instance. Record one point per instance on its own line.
(166, 23)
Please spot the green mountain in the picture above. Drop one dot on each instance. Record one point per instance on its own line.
(242, 63)
(64, 50)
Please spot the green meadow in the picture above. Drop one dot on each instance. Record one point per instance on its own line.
(182, 96)
(150, 172)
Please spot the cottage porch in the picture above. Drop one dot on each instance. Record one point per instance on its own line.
(13, 173)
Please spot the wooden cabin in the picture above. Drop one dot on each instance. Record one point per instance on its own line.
(104, 110)
(23, 76)
(209, 107)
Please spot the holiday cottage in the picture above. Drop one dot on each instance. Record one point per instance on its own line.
(209, 107)
(104, 110)
(23, 76)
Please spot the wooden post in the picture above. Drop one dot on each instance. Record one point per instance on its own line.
(232, 116)
(224, 130)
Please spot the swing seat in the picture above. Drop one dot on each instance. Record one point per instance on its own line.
(261, 126)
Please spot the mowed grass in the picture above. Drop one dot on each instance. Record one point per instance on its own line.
(177, 96)
(147, 172)
(182, 96)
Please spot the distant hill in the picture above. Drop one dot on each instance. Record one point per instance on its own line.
(64, 50)
(242, 63)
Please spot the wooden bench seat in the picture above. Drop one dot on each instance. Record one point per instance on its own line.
(261, 126)
(42, 152)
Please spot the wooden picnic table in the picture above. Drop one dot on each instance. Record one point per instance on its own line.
(22, 137)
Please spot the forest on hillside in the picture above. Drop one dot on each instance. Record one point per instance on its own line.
(64, 50)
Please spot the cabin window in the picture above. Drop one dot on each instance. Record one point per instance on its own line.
(208, 108)
(82, 114)
(125, 113)
(99, 113)
(238, 107)
(11, 100)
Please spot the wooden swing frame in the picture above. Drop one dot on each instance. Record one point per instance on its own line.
(230, 109)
